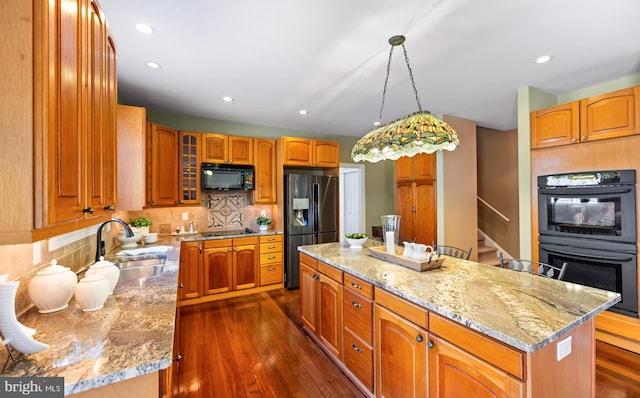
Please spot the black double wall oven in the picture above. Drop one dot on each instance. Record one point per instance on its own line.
(588, 219)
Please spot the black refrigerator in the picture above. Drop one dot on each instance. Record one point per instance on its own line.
(310, 217)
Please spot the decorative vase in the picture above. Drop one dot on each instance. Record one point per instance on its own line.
(14, 333)
(92, 291)
(52, 288)
(108, 270)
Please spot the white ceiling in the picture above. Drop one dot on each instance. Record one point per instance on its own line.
(275, 57)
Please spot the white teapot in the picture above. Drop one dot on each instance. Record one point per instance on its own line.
(108, 270)
(52, 288)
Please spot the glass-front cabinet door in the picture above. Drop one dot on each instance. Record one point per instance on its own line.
(189, 168)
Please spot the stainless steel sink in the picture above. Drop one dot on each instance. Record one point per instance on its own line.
(138, 269)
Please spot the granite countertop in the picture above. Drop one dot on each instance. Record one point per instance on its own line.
(524, 311)
(131, 336)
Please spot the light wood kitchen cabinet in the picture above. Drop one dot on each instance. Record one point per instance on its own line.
(162, 166)
(401, 356)
(264, 154)
(220, 148)
(190, 272)
(611, 115)
(358, 329)
(321, 303)
(307, 152)
(132, 134)
(230, 264)
(416, 198)
(189, 169)
(271, 260)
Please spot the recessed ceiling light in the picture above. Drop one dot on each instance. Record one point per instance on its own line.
(153, 65)
(144, 28)
(303, 112)
(543, 59)
(227, 99)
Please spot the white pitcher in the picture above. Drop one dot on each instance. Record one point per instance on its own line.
(420, 251)
(408, 249)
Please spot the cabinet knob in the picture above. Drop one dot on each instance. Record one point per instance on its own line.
(89, 210)
(177, 358)
(583, 138)
(151, 203)
(357, 305)
(430, 344)
(419, 338)
(573, 140)
(316, 277)
(355, 347)
(181, 285)
(110, 208)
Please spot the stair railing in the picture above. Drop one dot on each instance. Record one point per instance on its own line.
(484, 202)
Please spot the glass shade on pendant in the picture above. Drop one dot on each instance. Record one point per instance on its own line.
(420, 132)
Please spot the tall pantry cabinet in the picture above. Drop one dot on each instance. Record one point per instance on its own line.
(59, 67)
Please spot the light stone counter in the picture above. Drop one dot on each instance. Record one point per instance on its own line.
(130, 337)
(524, 311)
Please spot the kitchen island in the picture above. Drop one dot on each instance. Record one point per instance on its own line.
(117, 350)
(521, 334)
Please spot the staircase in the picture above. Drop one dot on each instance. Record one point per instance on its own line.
(487, 254)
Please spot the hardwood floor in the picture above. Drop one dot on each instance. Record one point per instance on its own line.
(254, 347)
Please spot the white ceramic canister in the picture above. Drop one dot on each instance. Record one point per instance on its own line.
(108, 269)
(52, 288)
(92, 291)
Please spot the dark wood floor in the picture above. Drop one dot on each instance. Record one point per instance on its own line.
(254, 347)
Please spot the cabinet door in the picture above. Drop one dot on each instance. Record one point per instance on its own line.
(308, 298)
(164, 166)
(326, 154)
(404, 169)
(110, 168)
(406, 210)
(425, 221)
(189, 159)
(189, 278)
(296, 151)
(456, 373)
(554, 126)
(132, 152)
(218, 270)
(265, 170)
(240, 150)
(424, 167)
(401, 356)
(358, 357)
(215, 148)
(611, 115)
(330, 319)
(246, 266)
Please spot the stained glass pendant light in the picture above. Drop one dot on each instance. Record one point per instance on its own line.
(420, 132)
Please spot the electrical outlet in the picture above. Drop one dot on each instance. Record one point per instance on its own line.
(564, 348)
(185, 216)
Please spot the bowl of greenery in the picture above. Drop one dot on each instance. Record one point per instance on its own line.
(356, 240)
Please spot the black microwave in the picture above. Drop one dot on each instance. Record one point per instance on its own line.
(226, 177)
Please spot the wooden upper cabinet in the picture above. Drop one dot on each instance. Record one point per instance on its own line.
(558, 125)
(415, 168)
(308, 152)
(264, 154)
(611, 115)
(163, 178)
(132, 152)
(110, 123)
(189, 168)
(220, 148)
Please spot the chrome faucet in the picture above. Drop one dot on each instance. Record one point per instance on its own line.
(100, 244)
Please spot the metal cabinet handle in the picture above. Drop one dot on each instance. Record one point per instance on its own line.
(356, 348)
(271, 269)
(430, 344)
(356, 286)
(110, 208)
(89, 210)
(271, 247)
(353, 303)
(271, 258)
(419, 338)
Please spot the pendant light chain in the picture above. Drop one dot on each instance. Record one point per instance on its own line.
(386, 80)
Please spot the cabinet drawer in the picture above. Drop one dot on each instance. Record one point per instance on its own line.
(211, 243)
(271, 273)
(499, 355)
(358, 285)
(308, 261)
(270, 238)
(270, 258)
(272, 247)
(358, 315)
(358, 356)
(330, 271)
